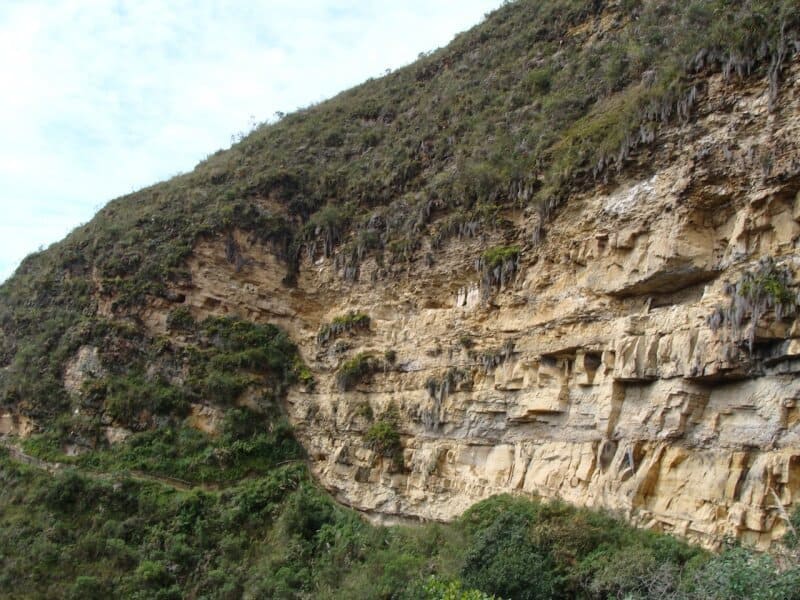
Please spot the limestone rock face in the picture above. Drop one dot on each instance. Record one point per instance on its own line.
(84, 366)
(595, 375)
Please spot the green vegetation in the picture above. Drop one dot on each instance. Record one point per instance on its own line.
(275, 535)
(304, 375)
(383, 438)
(436, 589)
(466, 341)
(767, 287)
(149, 382)
(497, 266)
(541, 99)
(356, 370)
(249, 445)
(497, 257)
(180, 319)
(364, 410)
(351, 322)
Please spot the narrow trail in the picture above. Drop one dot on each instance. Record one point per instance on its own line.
(19, 455)
(16, 453)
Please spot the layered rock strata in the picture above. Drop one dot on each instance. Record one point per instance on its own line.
(594, 375)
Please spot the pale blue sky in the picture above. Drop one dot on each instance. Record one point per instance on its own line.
(102, 97)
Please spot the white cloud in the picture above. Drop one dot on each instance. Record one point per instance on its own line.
(104, 97)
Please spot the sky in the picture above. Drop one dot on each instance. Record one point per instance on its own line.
(103, 97)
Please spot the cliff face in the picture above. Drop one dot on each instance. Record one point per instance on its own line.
(495, 319)
(595, 373)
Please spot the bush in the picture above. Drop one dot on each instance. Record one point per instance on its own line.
(355, 371)
(498, 256)
(437, 589)
(738, 574)
(89, 588)
(503, 560)
(497, 266)
(67, 492)
(223, 387)
(181, 319)
(383, 438)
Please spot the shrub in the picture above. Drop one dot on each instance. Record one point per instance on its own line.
(223, 387)
(539, 81)
(438, 589)
(303, 374)
(67, 492)
(498, 256)
(503, 560)
(737, 574)
(384, 438)
(355, 370)
(128, 396)
(328, 224)
(364, 410)
(181, 319)
(767, 287)
(89, 588)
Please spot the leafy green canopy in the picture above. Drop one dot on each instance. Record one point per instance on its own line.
(88, 535)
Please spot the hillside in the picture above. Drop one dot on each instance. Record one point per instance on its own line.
(557, 258)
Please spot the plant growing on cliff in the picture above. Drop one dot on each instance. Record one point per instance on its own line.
(422, 155)
(364, 411)
(491, 359)
(439, 388)
(497, 267)
(303, 374)
(384, 438)
(349, 323)
(328, 225)
(181, 319)
(767, 287)
(356, 370)
(466, 341)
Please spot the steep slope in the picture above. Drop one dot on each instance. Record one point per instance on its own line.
(511, 266)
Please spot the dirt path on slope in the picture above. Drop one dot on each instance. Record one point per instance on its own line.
(16, 452)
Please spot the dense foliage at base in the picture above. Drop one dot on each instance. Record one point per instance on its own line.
(107, 531)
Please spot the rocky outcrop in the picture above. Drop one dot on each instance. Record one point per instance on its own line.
(82, 368)
(594, 374)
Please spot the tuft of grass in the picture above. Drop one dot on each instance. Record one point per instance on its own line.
(355, 370)
(384, 438)
(351, 322)
(497, 257)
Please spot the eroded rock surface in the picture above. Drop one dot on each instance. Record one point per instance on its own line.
(594, 376)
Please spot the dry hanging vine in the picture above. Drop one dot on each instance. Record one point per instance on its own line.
(767, 287)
